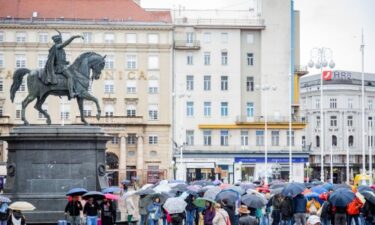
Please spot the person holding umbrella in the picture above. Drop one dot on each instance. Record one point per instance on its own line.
(154, 211)
(16, 218)
(299, 209)
(91, 211)
(245, 218)
(4, 212)
(208, 213)
(108, 212)
(73, 208)
(190, 209)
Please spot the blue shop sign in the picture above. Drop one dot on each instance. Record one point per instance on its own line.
(270, 160)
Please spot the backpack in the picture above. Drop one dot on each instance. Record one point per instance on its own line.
(286, 208)
(353, 208)
(326, 210)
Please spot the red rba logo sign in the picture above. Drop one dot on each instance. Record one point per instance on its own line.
(327, 75)
(336, 75)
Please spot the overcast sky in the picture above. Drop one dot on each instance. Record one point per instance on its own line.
(335, 24)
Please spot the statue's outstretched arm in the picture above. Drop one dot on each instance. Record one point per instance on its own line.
(67, 42)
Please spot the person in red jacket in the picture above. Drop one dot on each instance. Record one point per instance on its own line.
(353, 210)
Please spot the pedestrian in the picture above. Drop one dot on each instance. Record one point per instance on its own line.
(340, 215)
(4, 213)
(368, 211)
(276, 203)
(313, 220)
(16, 218)
(107, 212)
(245, 218)
(73, 208)
(229, 209)
(190, 210)
(130, 209)
(312, 206)
(90, 210)
(299, 209)
(142, 209)
(353, 210)
(154, 211)
(208, 213)
(325, 213)
(177, 218)
(221, 216)
(286, 211)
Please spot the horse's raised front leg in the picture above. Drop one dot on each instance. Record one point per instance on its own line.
(25, 102)
(38, 106)
(89, 97)
(80, 106)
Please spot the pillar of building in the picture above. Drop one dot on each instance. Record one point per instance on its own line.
(122, 163)
(5, 151)
(140, 160)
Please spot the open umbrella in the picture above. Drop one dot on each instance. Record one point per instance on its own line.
(318, 189)
(148, 191)
(238, 189)
(201, 202)
(162, 188)
(337, 186)
(225, 185)
(254, 200)
(202, 183)
(162, 196)
(328, 186)
(246, 186)
(362, 188)
(111, 196)
(112, 189)
(76, 192)
(312, 195)
(193, 188)
(128, 194)
(277, 184)
(231, 197)
(341, 197)
(317, 182)
(93, 194)
(373, 187)
(369, 196)
(126, 182)
(21, 206)
(212, 193)
(175, 205)
(293, 189)
(4, 199)
(180, 187)
(276, 190)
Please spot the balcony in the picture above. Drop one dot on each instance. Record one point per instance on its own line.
(273, 122)
(300, 70)
(185, 45)
(128, 120)
(5, 120)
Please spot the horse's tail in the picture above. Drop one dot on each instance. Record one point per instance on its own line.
(17, 81)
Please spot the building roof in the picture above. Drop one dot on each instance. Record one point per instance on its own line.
(113, 10)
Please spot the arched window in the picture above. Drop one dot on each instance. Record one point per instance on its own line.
(317, 141)
(350, 140)
(334, 140)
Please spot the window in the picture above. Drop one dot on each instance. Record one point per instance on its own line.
(153, 38)
(207, 137)
(275, 137)
(224, 58)
(153, 86)
(259, 134)
(369, 103)
(189, 109)
(250, 59)
(224, 83)
(1, 84)
(43, 37)
(153, 62)
(21, 37)
(64, 111)
(333, 121)
(109, 62)
(131, 38)
(303, 142)
(18, 110)
(207, 37)
(332, 103)
(292, 137)
(190, 137)
(249, 109)
(109, 87)
(2, 36)
(65, 36)
(207, 109)
(350, 141)
(109, 38)
(131, 111)
(249, 83)
(108, 110)
(20, 61)
(1, 60)
(131, 61)
(224, 38)
(1, 111)
(153, 112)
(189, 82)
(131, 86)
(189, 58)
(250, 38)
(87, 110)
(369, 121)
(87, 37)
(23, 86)
(45, 108)
(207, 83)
(350, 103)
(153, 139)
(224, 109)
(244, 138)
(42, 60)
(131, 139)
(317, 103)
(317, 141)
(350, 121)
(334, 140)
(207, 58)
(317, 121)
(115, 140)
(224, 136)
(189, 37)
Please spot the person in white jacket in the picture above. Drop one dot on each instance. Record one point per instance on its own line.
(221, 216)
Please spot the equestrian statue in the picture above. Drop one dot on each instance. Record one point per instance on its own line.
(60, 79)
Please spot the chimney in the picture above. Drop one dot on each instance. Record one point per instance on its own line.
(138, 2)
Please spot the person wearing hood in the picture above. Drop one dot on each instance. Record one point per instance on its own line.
(16, 218)
(154, 212)
(299, 209)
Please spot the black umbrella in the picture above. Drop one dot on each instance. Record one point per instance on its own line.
(293, 189)
(231, 197)
(76, 192)
(162, 196)
(369, 196)
(254, 200)
(341, 197)
(94, 194)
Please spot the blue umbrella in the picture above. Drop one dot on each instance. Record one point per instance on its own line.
(112, 189)
(341, 197)
(230, 195)
(337, 186)
(328, 186)
(317, 182)
(76, 192)
(4, 199)
(312, 195)
(319, 189)
(293, 189)
(363, 188)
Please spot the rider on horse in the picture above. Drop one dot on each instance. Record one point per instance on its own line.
(57, 64)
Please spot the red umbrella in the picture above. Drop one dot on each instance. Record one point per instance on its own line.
(111, 197)
(373, 186)
(263, 189)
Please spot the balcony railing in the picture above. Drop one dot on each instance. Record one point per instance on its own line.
(270, 119)
(112, 120)
(244, 149)
(183, 44)
(256, 22)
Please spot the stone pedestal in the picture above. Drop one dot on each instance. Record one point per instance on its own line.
(44, 162)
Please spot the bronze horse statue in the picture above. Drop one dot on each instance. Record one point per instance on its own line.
(86, 62)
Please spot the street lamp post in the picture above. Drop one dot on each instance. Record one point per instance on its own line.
(363, 113)
(319, 58)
